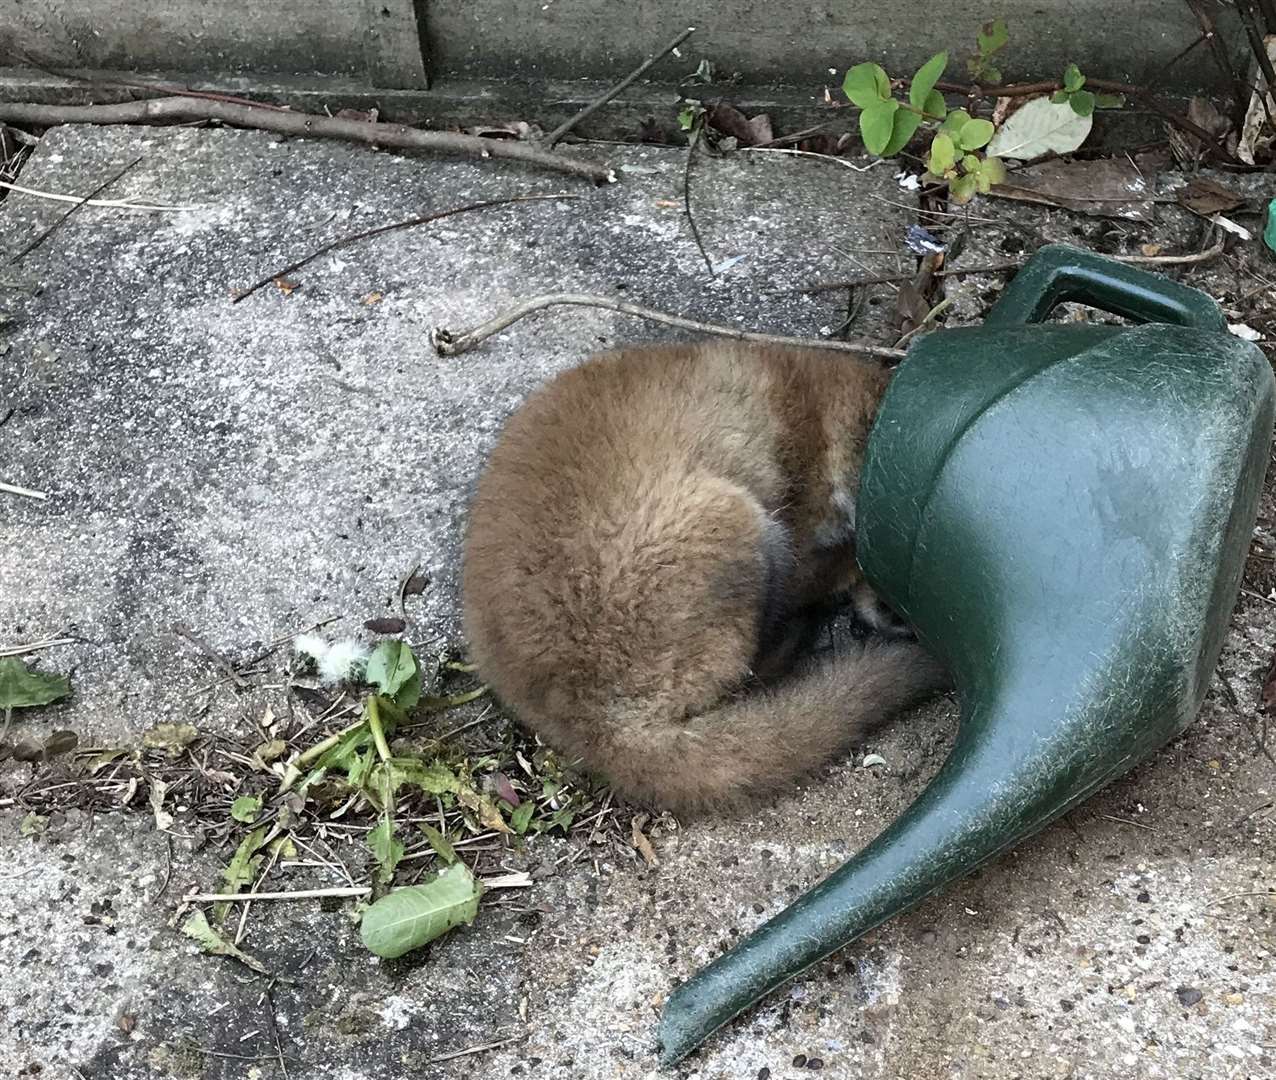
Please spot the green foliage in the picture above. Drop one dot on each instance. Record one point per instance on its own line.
(411, 917)
(991, 39)
(1083, 101)
(246, 808)
(22, 688)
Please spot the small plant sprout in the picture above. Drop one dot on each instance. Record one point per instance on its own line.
(1083, 101)
(992, 38)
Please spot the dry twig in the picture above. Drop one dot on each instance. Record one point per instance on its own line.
(289, 122)
(624, 83)
(345, 241)
(58, 223)
(452, 343)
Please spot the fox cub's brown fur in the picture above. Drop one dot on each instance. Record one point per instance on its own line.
(649, 532)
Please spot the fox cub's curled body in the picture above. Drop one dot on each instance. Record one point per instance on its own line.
(645, 542)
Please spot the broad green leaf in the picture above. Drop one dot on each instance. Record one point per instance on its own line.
(1039, 128)
(211, 941)
(942, 155)
(442, 848)
(970, 163)
(348, 746)
(246, 808)
(992, 36)
(1082, 102)
(1072, 78)
(866, 85)
(924, 81)
(954, 122)
(1109, 101)
(522, 816)
(877, 122)
(992, 170)
(974, 134)
(903, 126)
(390, 667)
(386, 848)
(22, 688)
(935, 105)
(962, 189)
(411, 917)
(1059, 97)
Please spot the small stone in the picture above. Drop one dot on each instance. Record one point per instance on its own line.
(1188, 995)
(799, 1061)
(1143, 939)
(1234, 999)
(815, 1063)
(1143, 898)
(764, 1073)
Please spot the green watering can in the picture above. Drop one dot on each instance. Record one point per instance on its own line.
(1063, 512)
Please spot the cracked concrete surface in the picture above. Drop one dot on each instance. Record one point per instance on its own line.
(252, 469)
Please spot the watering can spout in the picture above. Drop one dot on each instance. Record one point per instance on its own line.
(1063, 513)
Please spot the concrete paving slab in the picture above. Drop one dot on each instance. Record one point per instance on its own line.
(249, 470)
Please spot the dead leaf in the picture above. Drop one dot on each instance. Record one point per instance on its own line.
(390, 624)
(368, 299)
(1151, 250)
(503, 788)
(641, 844)
(1268, 700)
(171, 738)
(60, 742)
(730, 121)
(1206, 197)
(163, 819)
(369, 117)
(484, 810)
(1188, 150)
(1251, 137)
(1107, 187)
(285, 286)
(126, 1022)
(28, 750)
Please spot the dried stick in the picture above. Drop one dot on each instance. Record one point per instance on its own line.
(29, 493)
(624, 83)
(694, 141)
(118, 204)
(58, 223)
(1209, 253)
(345, 241)
(290, 122)
(451, 343)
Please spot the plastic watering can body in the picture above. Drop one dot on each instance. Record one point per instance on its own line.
(1063, 513)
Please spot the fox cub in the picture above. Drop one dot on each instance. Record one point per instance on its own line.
(653, 539)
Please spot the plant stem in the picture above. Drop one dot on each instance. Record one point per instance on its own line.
(378, 732)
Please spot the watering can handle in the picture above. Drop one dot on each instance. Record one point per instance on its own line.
(1058, 272)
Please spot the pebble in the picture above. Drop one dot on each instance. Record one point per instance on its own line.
(799, 1062)
(1188, 995)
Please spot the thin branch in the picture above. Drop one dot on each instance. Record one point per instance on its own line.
(452, 343)
(624, 84)
(36, 646)
(474, 1050)
(30, 493)
(291, 122)
(345, 241)
(1219, 51)
(1197, 257)
(692, 143)
(1249, 17)
(296, 894)
(184, 631)
(118, 204)
(58, 224)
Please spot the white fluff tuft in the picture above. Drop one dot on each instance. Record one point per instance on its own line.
(343, 660)
(311, 645)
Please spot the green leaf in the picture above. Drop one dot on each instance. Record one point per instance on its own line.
(1039, 127)
(1059, 97)
(246, 808)
(970, 163)
(197, 928)
(22, 688)
(904, 124)
(991, 37)
(411, 917)
(1072, 78)
(442, 847)
(877, 124)
(924, 81)
(1082, 102)
(974, 134)
(386, 848)
(866, 85)
(522, 816)
(1109, 101)
(993, 170)
(390, 667)
(242, 868)
(954, 122)
(33, 824)
(962, 189)
(434, 778)
(935, 105)
(942, 155)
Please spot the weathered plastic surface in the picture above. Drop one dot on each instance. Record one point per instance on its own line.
(1063, 512)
